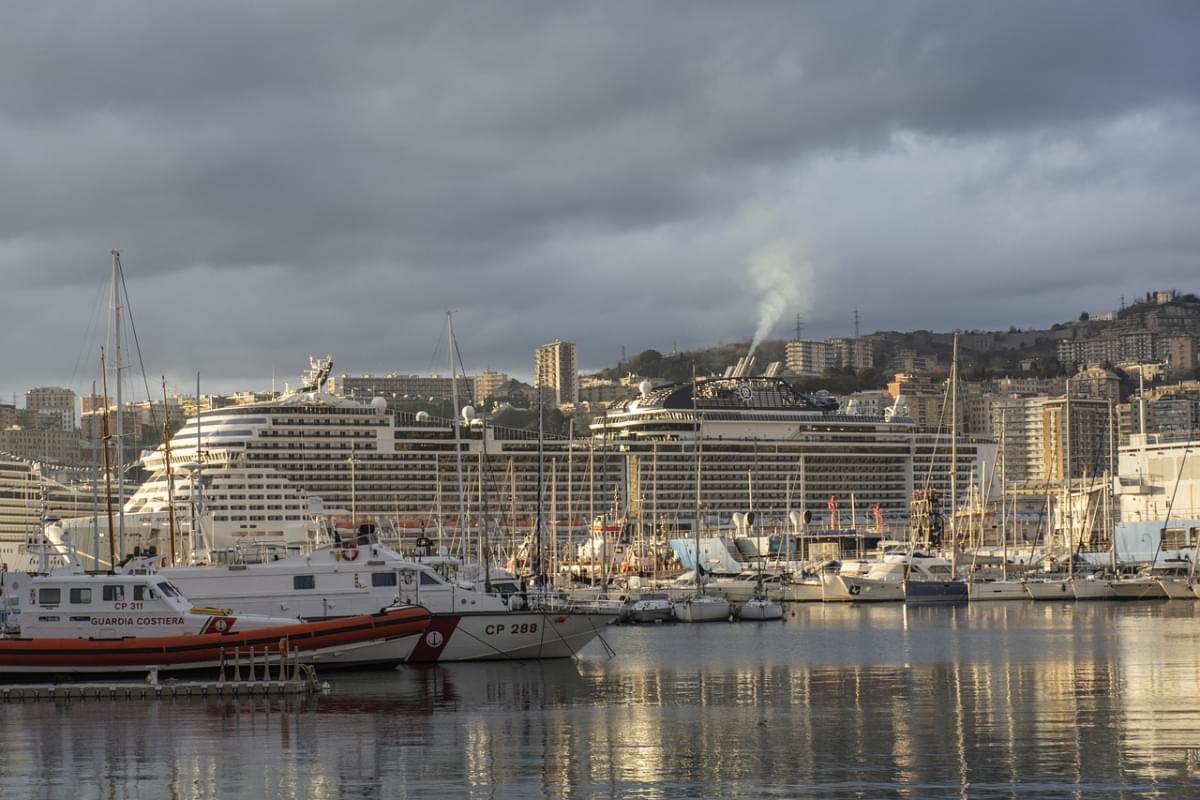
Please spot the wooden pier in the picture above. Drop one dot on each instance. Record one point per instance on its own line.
(269, 677)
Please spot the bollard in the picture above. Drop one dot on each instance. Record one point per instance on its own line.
(237, 664)
(221, 673)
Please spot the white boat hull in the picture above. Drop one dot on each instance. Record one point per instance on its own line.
(658, 611)
(708, 609)
(1092, 589)
(1176, 588)
(1050, 589)
(1137, 589)
(856, 589)
(487, 636)
(758, 610)
(812, 591)
(996, 590)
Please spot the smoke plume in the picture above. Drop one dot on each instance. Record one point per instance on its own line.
(782, 279)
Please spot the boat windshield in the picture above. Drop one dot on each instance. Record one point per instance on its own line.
(168, 590)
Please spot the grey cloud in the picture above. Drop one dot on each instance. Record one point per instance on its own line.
(582, 171)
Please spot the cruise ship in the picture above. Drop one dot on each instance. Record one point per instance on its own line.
(762, 446)
(28, 497)
(273, 472)
(277, 473)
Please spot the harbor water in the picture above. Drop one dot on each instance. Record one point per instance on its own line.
(1007, 699)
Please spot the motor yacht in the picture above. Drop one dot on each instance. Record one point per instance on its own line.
(500, 619)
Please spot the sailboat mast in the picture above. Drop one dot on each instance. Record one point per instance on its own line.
(572, 553)
(112, 547)
(454, 417)
(1070, 498)
(696, 416)
(170, 470)
(1110, 476)
(1003, 489)
(95, 486)
(954, 456)
(120, 432)
(537, 538)
(484, 544)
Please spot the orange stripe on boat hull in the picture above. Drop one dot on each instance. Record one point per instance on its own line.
(205, 649)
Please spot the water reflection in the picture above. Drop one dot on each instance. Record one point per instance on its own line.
(996, 699)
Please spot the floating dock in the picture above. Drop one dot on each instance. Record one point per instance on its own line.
(285, 678)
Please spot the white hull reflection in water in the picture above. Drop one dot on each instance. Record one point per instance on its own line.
(1027, 700)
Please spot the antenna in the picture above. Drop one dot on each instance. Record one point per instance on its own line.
(622, 354)
(799, 328)
(856, 322)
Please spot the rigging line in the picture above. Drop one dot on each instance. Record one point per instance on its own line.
(437, 350)
(1171, 502)
(88, 331)
(138, 347)
(934, 454)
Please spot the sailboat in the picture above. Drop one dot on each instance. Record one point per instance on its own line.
(699, 607)
(1002, 588)
(758, 607)
(929, 579)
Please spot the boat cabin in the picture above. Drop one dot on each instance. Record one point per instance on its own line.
(63, 604)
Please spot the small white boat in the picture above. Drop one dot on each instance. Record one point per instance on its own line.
(759, 608)
(997, 590)
(701, 608)
(651, 607)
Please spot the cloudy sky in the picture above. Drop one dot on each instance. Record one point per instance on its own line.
(294, 178)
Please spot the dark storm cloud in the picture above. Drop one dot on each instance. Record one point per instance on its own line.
(312, 177)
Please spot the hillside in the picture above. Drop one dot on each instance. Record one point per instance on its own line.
(982, 354)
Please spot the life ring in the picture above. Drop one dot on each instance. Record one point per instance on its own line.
(349, 553)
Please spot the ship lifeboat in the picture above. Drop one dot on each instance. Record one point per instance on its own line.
(383, 638)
